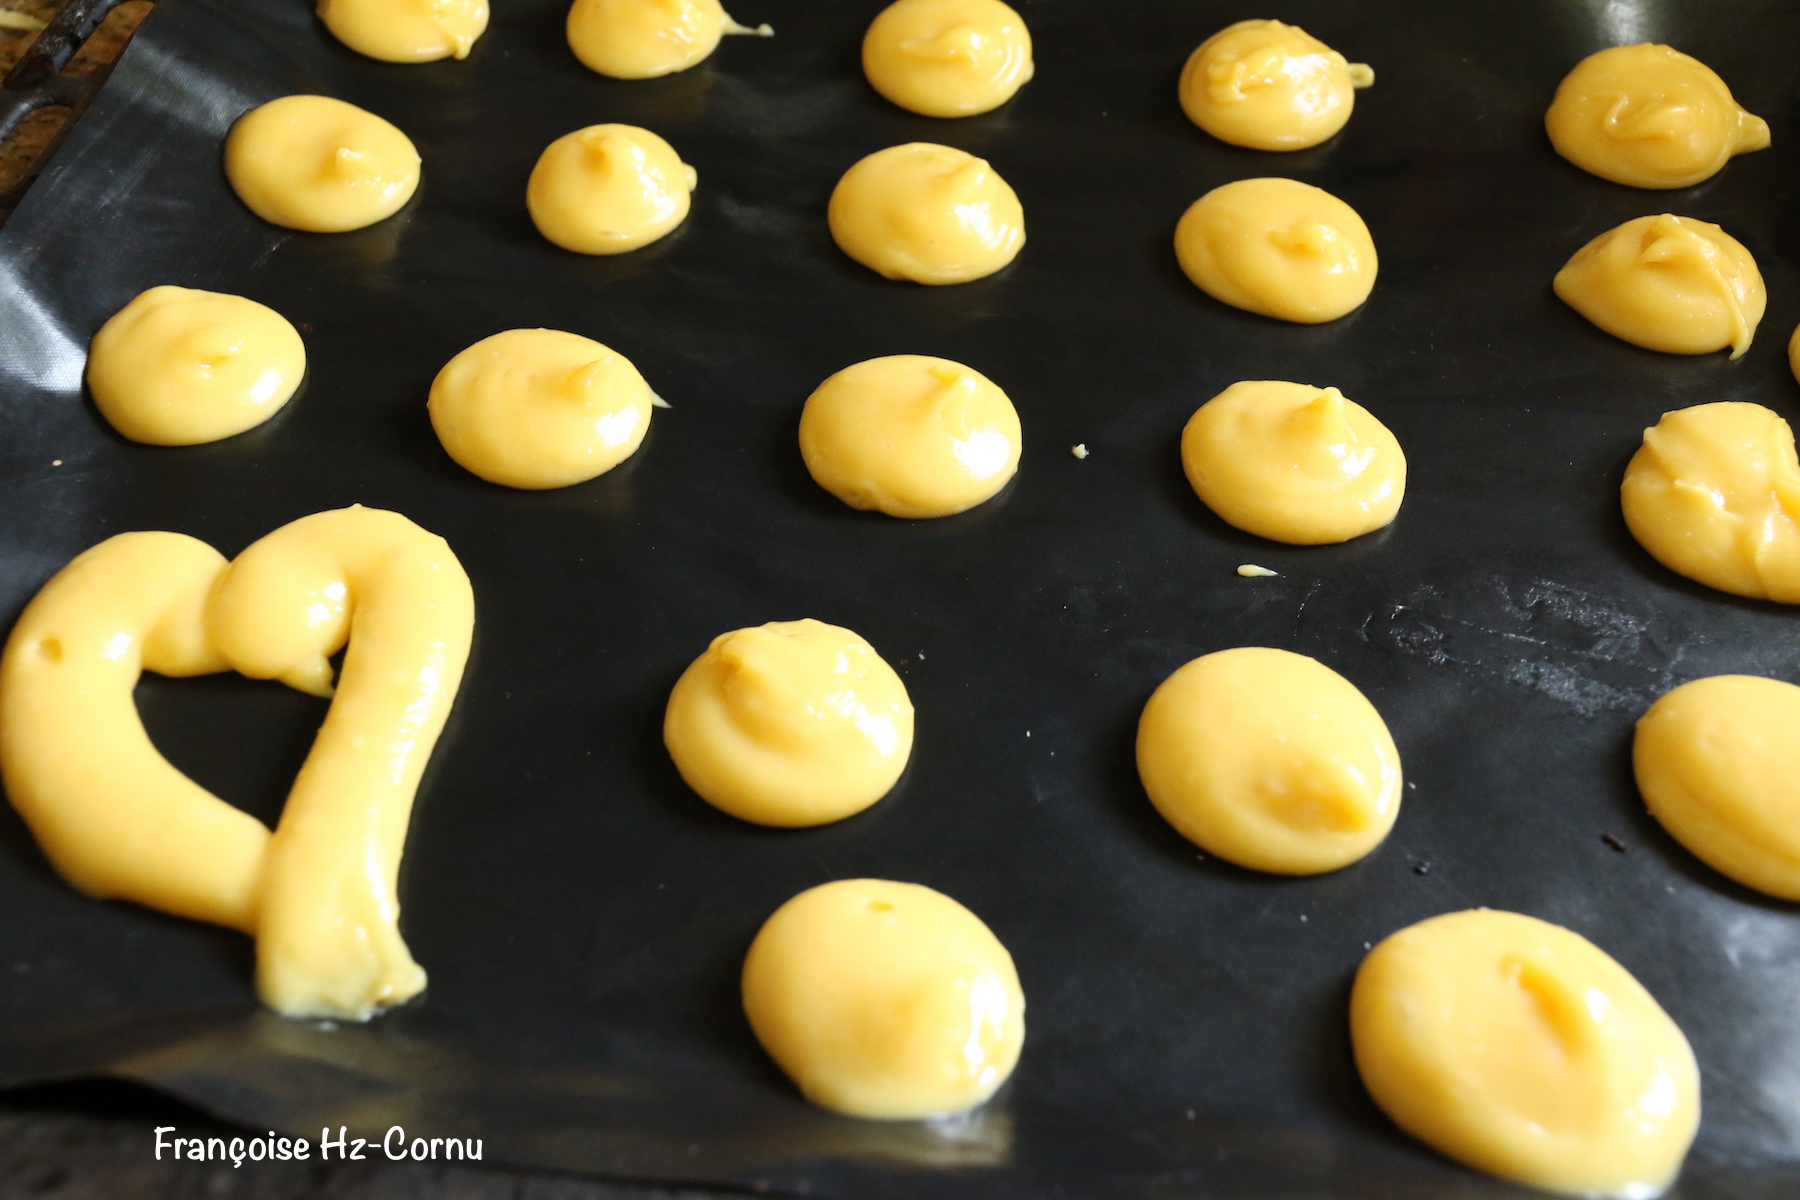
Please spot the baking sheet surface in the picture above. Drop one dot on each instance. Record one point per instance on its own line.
(582, 915)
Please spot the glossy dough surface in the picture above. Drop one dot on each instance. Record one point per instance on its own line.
(947, 58)
(1667, 283)
(607, 189)
(1278, 247)
(1269, 759)
(792, 723)
(910, 435)
(1293, 463)
(178, 367)
(1523, 1050)
(118, 821)
(641, 39)
(406, 31)
(884, 999)
(1718, 763)
(927, 213)
(539, 408)
(1714, 494)
(1269, 86)
(320, 165)
(1649, 116)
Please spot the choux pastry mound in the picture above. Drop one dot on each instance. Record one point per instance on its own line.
(947, 58)
(1293, 463)
(1667, 283)
(319, 165)
(910, 435)
(1718, 764)
(928, 213)
(1714, 494)
(1278, 247)
(1649, 116)
(1270, 86)
(178, 366)
(1522, 1049)
(884, 1000)
(608, 189)
(406, 31)
(642, 39)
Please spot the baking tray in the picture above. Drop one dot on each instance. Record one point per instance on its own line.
(37, 80)
(583, 916)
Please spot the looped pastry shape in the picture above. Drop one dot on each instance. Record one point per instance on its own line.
(118, 821)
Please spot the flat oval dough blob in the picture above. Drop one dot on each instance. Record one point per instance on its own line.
(927, 213)
(539, 408)
(1269, 759)
(1521, 1049)
(947, 58)
(1649, 116)
(1667, 283)
(1714, 494)
(1278, 247)
(910, 435)
(320, 165)
(406, 31)
(1293, 463)
(885, 1000)
(1270, 86)
(792, 723)
(1718, 763)
(607, 189)
(178, 366)
(641, 39)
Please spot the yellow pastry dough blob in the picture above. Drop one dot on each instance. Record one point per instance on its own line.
(1269, 759)
(538, 408)
(1714, 494)
(320, 165)
(177, 366)
(1521, 1049)
(406, 31)
(1718, 763)
(1667, 283)
(1278, 247)
(607, 189)
(1651, 117)
(927, 213)
(112, 815)
(884, 1000)
(1293, 463)
(1794, 353)
(118, 821)
(641, 39)
(910, 435)
(947, 58)
(1270, 86)
(792, 723)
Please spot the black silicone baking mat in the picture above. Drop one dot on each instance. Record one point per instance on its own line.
(583, 916)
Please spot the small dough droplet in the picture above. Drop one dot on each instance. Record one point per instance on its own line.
(1252, 571)
(1079, 450)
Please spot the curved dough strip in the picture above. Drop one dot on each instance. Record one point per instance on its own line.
(328, 941)
(134, 602)
(117, 820)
